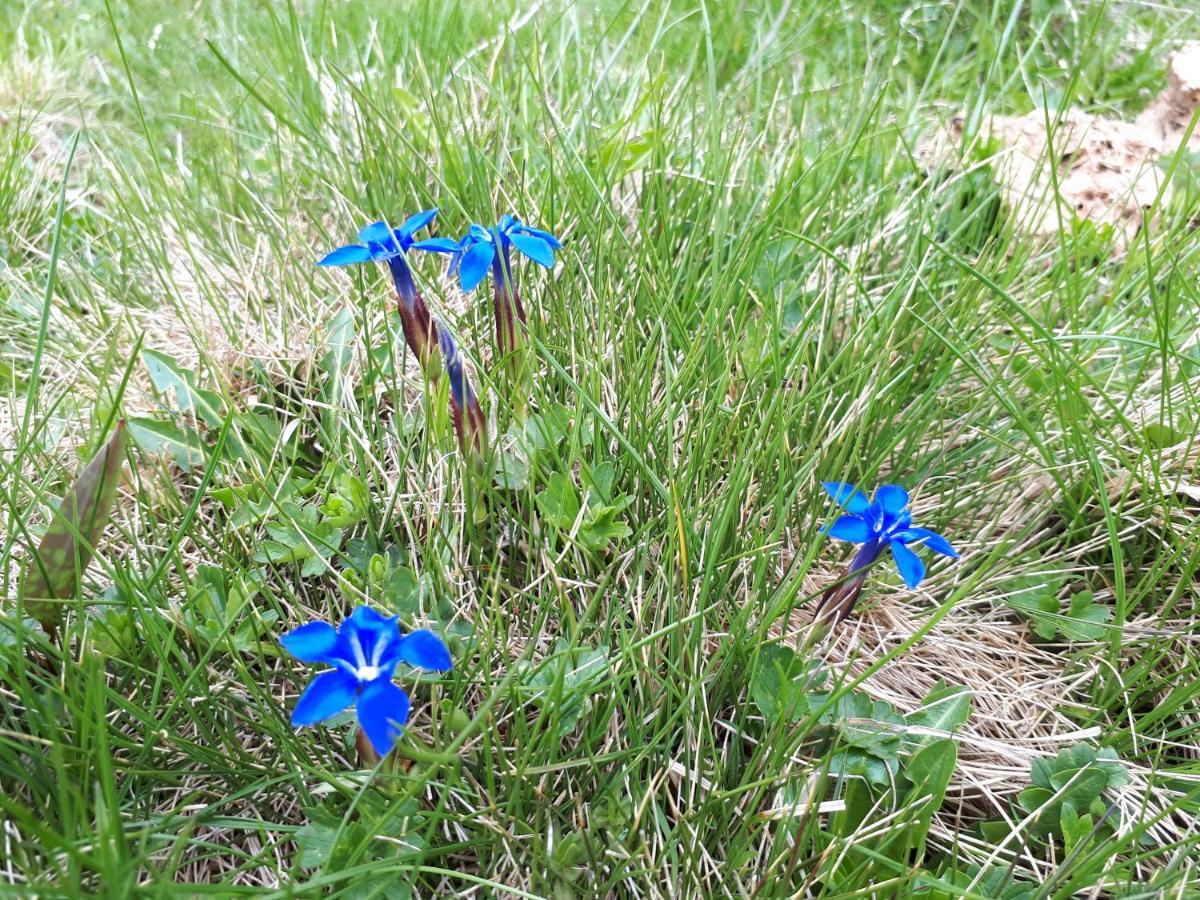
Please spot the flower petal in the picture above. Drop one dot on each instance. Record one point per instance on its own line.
(473, 267)
(426, 650)
(911, 569)
(507, 221)
(375, 233)
(850, 528)
(544, 235)
(415, 223)
(535, 248)
(847, 495)
(327, 695)
(891, 499)
(368, 618)
(313, 642)
(930, 539)
(382, 712)
(368, 633)
(437, 245)
(346, 256)
(900, 522)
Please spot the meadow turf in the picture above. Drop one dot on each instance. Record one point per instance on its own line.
(761, 288)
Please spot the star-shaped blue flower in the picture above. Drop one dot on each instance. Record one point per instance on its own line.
(884, 522)
(363, 652)
(380, 242)
(481, 249)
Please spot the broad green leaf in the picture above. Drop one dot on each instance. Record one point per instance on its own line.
(168, 376)
(1078, 775)
(559, 502)
(1075, 828)
(879, 771)
(153, 436)
(1108, 760)
(566, 682)
(70, 540)
(601, 526)
(1081, 786)
(599, 482)
(929, 770)
(1037, 598)
(1041, 609)
(1034, 798)
(512, 470)
(856, 794)
(1086, 619)
(347, 503)
(1162, 436)
(315, 843)
(780, 684)
(946, 708)
(995, 831)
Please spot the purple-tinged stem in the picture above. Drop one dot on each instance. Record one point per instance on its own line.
(507, 304)
(420, 332)
(838, 602)
(467, 414)
(367, 757)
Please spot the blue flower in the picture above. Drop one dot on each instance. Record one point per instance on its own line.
(885, 522)
(379, 242)
(364, 652)
(481, 249)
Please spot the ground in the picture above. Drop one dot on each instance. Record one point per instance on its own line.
(768, 280)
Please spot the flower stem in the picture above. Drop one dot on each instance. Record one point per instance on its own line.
(507, 305)
(420, 332)
(508, 311)
(367, 757)
(838, 601)
(469, 422)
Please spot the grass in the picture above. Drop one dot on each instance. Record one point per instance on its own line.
(761, 288)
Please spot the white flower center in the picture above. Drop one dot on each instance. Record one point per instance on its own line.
(367, 673)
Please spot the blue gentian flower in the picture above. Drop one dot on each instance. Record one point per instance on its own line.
(482, 249)
(381, 243)
(363, 652)
(883, 523)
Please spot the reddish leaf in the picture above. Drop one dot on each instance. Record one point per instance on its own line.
(70, 540)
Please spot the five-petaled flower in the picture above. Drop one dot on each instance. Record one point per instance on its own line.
(884, 522)
(363, 652)
(482, 249)
(382, 243)
(477, 252)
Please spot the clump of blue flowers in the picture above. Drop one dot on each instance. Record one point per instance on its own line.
(363, 653)
(484, 249)
(422, 332)
(879, 524)
(479, 251)
(381, 243)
